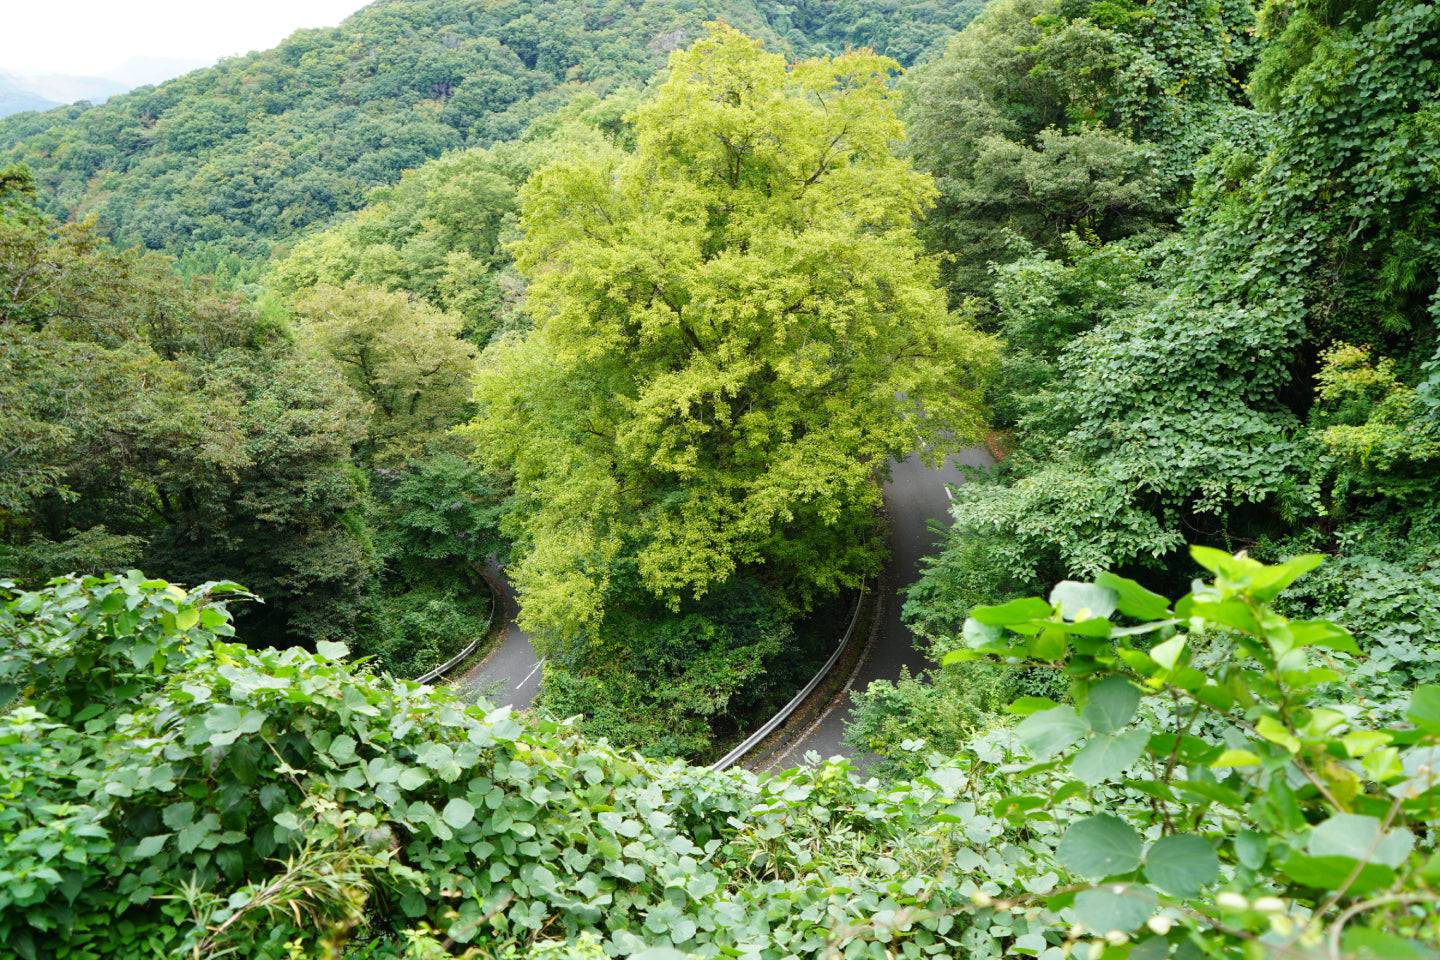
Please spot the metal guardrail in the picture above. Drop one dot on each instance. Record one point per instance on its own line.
(789, 708)
(495, 602)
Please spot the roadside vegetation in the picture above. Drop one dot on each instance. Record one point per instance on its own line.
(646, 337)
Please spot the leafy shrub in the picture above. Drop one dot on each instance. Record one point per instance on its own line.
(169, 792)
(661, 681)
(1224, 806)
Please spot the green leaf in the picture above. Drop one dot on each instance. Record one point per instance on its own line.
(1365, 943)
(186, 618)
(1016, 611)
(412, 778)
(342, 749)
(1358, 837)
(1110, 704)
(458, 813)
(177, 816)
(1155, 948)
(1268, 581)
(1323, 633)
(1216, 561)
(1230, 613)
(1134, 600)
(978, 634)
(1167, 654)
(1181, 865)
(1250, 849)
(1048, 732)
(149, 846)
(1424, 709)
(1048, 646)
(1083, 601)
(1328, 873)
(1210, 791)
(1100, 846)
(1107, 757)
(1123, 908)
(332, 649)
(141, 654)
(1024, 706)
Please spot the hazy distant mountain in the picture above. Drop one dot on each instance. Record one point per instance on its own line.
(139, 71)
(54, 89)
(15, 96)
(19, 92)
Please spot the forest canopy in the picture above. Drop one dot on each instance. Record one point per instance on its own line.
(222, 166)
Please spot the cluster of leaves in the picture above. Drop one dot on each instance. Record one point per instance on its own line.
(1205, 791)
(669, 682)
(1179, 406)
(170, 792)
(148, 420)
(226, 162)
(1048, 116)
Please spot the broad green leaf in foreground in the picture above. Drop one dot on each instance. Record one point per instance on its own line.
(1100, 846)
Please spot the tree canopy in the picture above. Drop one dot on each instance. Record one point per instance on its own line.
(735, 327)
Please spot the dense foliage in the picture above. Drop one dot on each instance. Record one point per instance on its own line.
(222, 165)
(1191, 251)
(1258, 371)
(168, 792)
(733, 326)
(150, 421)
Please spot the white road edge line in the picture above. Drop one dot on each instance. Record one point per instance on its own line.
(530, 674)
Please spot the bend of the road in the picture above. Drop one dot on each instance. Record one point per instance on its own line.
(509, 676)
(914, 496)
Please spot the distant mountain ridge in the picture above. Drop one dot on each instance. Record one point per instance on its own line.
(16, 96)
(20, 91)
(230, 161)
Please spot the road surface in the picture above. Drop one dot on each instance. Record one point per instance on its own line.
(915, 495)
(510, 675)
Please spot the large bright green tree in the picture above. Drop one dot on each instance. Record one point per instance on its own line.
(735, 327)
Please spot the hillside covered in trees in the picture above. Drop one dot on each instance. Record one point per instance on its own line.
(648, 336)
(220, 167)
(1214, 271)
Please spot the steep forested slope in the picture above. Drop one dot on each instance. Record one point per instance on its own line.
(1258, 368)
(223, 163)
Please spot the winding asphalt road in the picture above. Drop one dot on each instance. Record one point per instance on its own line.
(510, 675)
(914, 496)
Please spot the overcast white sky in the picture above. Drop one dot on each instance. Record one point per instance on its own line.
(88, 37)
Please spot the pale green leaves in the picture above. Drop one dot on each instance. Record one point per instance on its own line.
(1050, 731)
(1111, 704)
(733, 326)
(1110, 749)
(1105, 756)
(458, 813)
(1182, 865)
(1105, 847)
(1099, 847)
